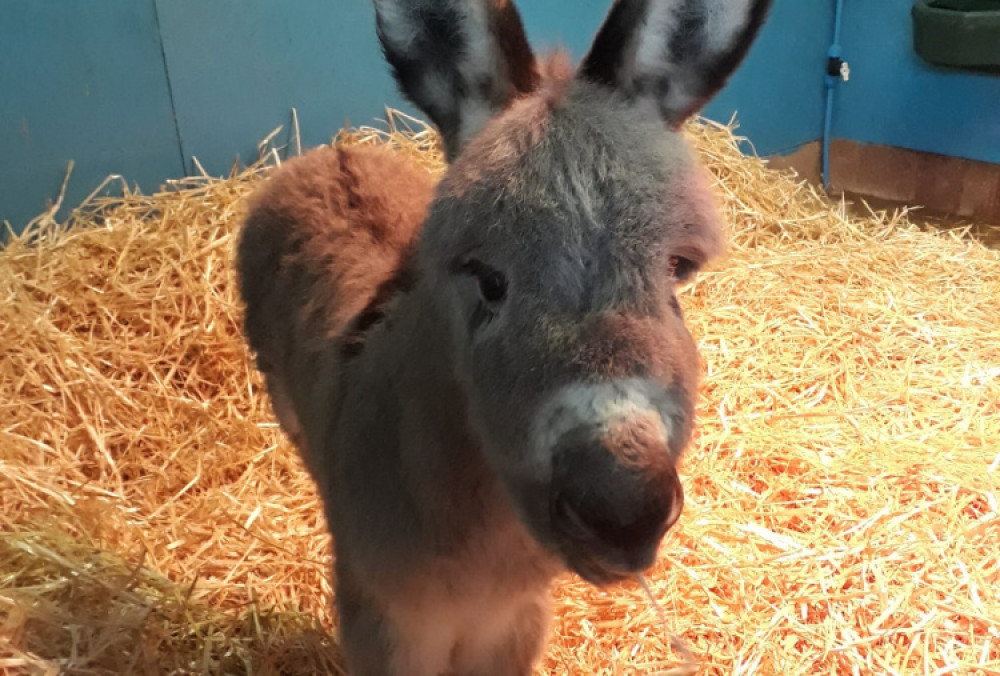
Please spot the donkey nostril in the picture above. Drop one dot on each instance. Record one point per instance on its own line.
(624, 520)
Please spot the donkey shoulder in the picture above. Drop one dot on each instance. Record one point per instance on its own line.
(324, 234)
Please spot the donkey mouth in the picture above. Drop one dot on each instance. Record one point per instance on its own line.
(602, 558)
(599, 571)
(598, 575)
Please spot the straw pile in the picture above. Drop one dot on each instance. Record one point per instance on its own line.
(842, 493)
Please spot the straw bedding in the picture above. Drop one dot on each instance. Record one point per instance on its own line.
(842, 490)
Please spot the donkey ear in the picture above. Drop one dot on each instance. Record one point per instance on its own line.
(459, 61)
(678, 53)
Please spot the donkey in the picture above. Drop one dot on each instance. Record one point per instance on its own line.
(489, 377)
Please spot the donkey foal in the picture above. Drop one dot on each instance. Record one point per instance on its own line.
(490, 380)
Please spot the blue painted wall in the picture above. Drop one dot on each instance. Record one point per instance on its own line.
(895, 98)
(238, 67)
(81, 80)
(138, 87)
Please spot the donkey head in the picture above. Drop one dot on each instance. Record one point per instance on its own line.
(571, 211)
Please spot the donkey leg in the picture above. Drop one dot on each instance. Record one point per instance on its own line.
(521, 645)
(364, 632)
(374, 645)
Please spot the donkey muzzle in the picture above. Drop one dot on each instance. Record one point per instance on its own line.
(615, 492)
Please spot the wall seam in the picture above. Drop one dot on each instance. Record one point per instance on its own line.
(170, 88)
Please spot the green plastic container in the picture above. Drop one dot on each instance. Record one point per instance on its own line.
(958, 33)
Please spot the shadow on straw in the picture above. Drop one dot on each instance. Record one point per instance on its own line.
(71, 608)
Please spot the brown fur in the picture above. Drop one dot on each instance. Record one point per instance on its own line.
(340, 222)
(324, 246)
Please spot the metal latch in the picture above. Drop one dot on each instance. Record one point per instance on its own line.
(837, 67)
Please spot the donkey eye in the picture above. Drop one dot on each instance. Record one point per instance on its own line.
(492, 282)
(493, 287)
(682, 268)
